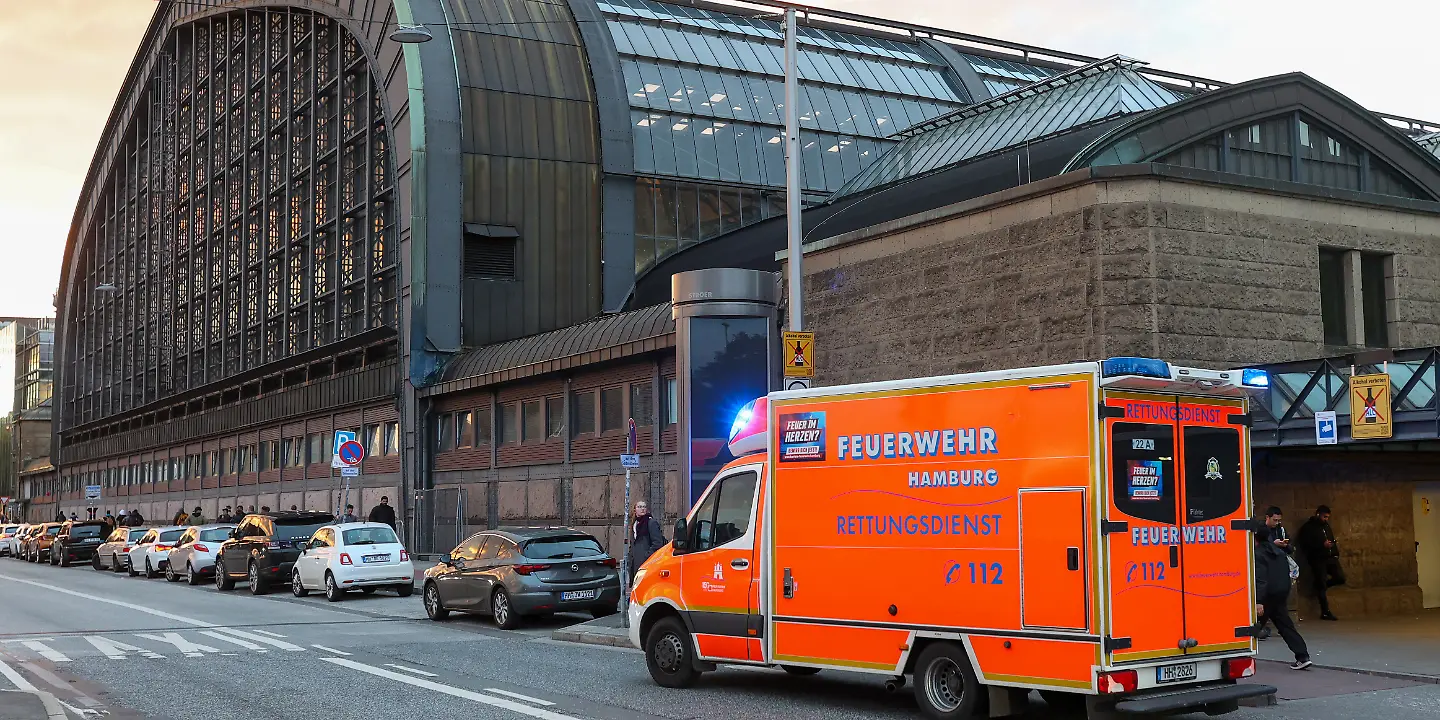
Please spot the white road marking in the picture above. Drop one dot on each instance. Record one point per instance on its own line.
(267, 632)
(82, 712)
(411, 670)
(332, 650)
(115, 650)
(261, 639)
(108, 601)
(190, 649)
(518, 696)
(45, 651)
(16, 678)
(237, 641)
(490, 700)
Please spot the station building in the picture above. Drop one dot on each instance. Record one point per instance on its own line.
(475, 251)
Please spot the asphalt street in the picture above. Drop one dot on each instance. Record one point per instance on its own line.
(110, 645)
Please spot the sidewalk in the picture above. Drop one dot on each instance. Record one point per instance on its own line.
(601, 631)
(1399, 647)
(24, 705)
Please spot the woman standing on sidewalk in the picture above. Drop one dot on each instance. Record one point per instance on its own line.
(1272, 591)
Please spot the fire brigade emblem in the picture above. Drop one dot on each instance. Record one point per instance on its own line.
(1212, 470)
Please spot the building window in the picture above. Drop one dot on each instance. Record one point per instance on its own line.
(555, 418)
(482, 427)
(1332, 296)
(444, 436)
(1374, 280)
(374, 441)
(392, 438)
(245, 459)
(534, 421)
(315, 449)
(1354, 288)
(509, 424)
(490, 253)
(582, 412)
(265, 462)
(612, 410)
(464, 429)
(641, 404)
(671, 408)
(214, 461)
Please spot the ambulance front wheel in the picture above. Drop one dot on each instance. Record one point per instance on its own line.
(945, 684)
(669, 654)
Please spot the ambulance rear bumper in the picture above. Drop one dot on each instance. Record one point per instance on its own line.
(1172, 699)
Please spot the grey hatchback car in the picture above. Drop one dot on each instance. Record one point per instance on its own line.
(508, 573)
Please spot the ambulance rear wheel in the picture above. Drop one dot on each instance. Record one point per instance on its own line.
(669, 654)
(945, 684)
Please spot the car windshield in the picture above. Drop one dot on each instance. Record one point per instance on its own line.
(10, 529)
(53, 530)
(558, 548)
(370, 536)
(86, 531)
(215, 534)
(171, 535)
(296, 532)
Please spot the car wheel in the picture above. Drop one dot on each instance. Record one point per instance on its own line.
(945, 684)
(115, 564)
(297, 588)
(64, 559)
(500, 608)
(333, 593)
(223, 581)
(150, 573)
(130, 567)
(668, 655)
(170, 575)
(405, 590)
(191, 577)
(95, 561)
(52, 559)
(433, 607)
(799, 670)
(257, 583)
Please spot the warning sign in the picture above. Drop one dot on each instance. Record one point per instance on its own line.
(799, 354)
(1370, 407)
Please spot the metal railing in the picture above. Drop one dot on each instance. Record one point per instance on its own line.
(1285, 416)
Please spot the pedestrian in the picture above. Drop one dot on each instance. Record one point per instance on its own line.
(1322, 557)
(294, 508)
(60, 516)
(136, 519)
(349, 515)
(224, 516)
(1273, 524)
(1272, 592)
(645, 537)
(197, 517)
(251, 511)
(180, 517)
(383, 513)
(109, 519)
(264, 508)
(74, 517)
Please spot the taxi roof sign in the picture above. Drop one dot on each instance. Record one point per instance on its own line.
(799, 354)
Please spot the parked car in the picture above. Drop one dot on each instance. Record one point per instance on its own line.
(20, 544)
(513, 572)
(153, 551)
(7, 538)
(194, 555)
(78, 540)
(37, 544)
(351, 556)
(263, 548)
(111, 554)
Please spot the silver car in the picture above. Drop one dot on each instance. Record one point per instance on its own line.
(509, 573)
(194, 555)
(111, 555)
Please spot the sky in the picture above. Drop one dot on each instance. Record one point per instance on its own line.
(61, 83)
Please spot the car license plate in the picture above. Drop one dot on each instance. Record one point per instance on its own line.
(1175, 673)
(578, 595)
(376, 558)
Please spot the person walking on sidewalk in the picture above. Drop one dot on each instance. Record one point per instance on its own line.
(383, 513)
(197, 517)
(1322, 557)
(645, 537)
(1281, 539)
(349, 516)
(1272, 591)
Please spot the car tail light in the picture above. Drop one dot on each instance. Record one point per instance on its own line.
(404, 556)
(527, 569)
(163, 547)
(200, 548)
(345, 559)
(1236, 668)
(127, 549)
(1122, 681)
(609, 562)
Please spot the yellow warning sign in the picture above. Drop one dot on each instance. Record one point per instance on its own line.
(799, 354)
(1370, 407)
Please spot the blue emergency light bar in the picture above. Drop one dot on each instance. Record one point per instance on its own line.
(1254, 377)
(742, 418)
(1143, 367)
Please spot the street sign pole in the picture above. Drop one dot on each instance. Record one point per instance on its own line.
(629, 459)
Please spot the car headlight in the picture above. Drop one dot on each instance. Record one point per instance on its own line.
(639, 575)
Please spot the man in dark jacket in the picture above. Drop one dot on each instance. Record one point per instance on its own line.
(136, 519)
(1322, 557)
(1272, 590)
(383, 513)
(645, 537)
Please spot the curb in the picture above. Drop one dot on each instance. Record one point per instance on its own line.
(588, 638)
(1393, 675)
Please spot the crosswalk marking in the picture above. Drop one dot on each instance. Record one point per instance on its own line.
(331, 650)
(518, 696)
(261, 639)
(190, 649)
(491, 700)
(411, 670)
(242, 643)
(115, 650)
(45, 651)
(267, 632)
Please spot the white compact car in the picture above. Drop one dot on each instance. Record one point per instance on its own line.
(349, 556)
(10, 539)
(194, 556)
(153, 551)
(112, 554)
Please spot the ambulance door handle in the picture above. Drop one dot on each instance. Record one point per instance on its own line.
(739, 563)
(1174, 556)
(1072, 558)
(789, 584)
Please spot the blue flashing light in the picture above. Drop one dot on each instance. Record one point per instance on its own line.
(1144, 367)
(1254, 377)
(742, 418)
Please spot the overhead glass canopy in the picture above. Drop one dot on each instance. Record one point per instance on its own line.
(1088, 94)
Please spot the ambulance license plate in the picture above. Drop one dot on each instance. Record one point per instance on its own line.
(1175, 673)
(578, 595)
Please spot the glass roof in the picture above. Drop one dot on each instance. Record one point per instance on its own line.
(1079, 97)
(1007, 69)
(1429, 141)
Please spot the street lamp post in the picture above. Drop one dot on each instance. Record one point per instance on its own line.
(792, 171)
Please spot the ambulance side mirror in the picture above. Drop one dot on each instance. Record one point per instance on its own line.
(681, 537)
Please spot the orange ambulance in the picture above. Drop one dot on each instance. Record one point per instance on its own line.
(1079, 529)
